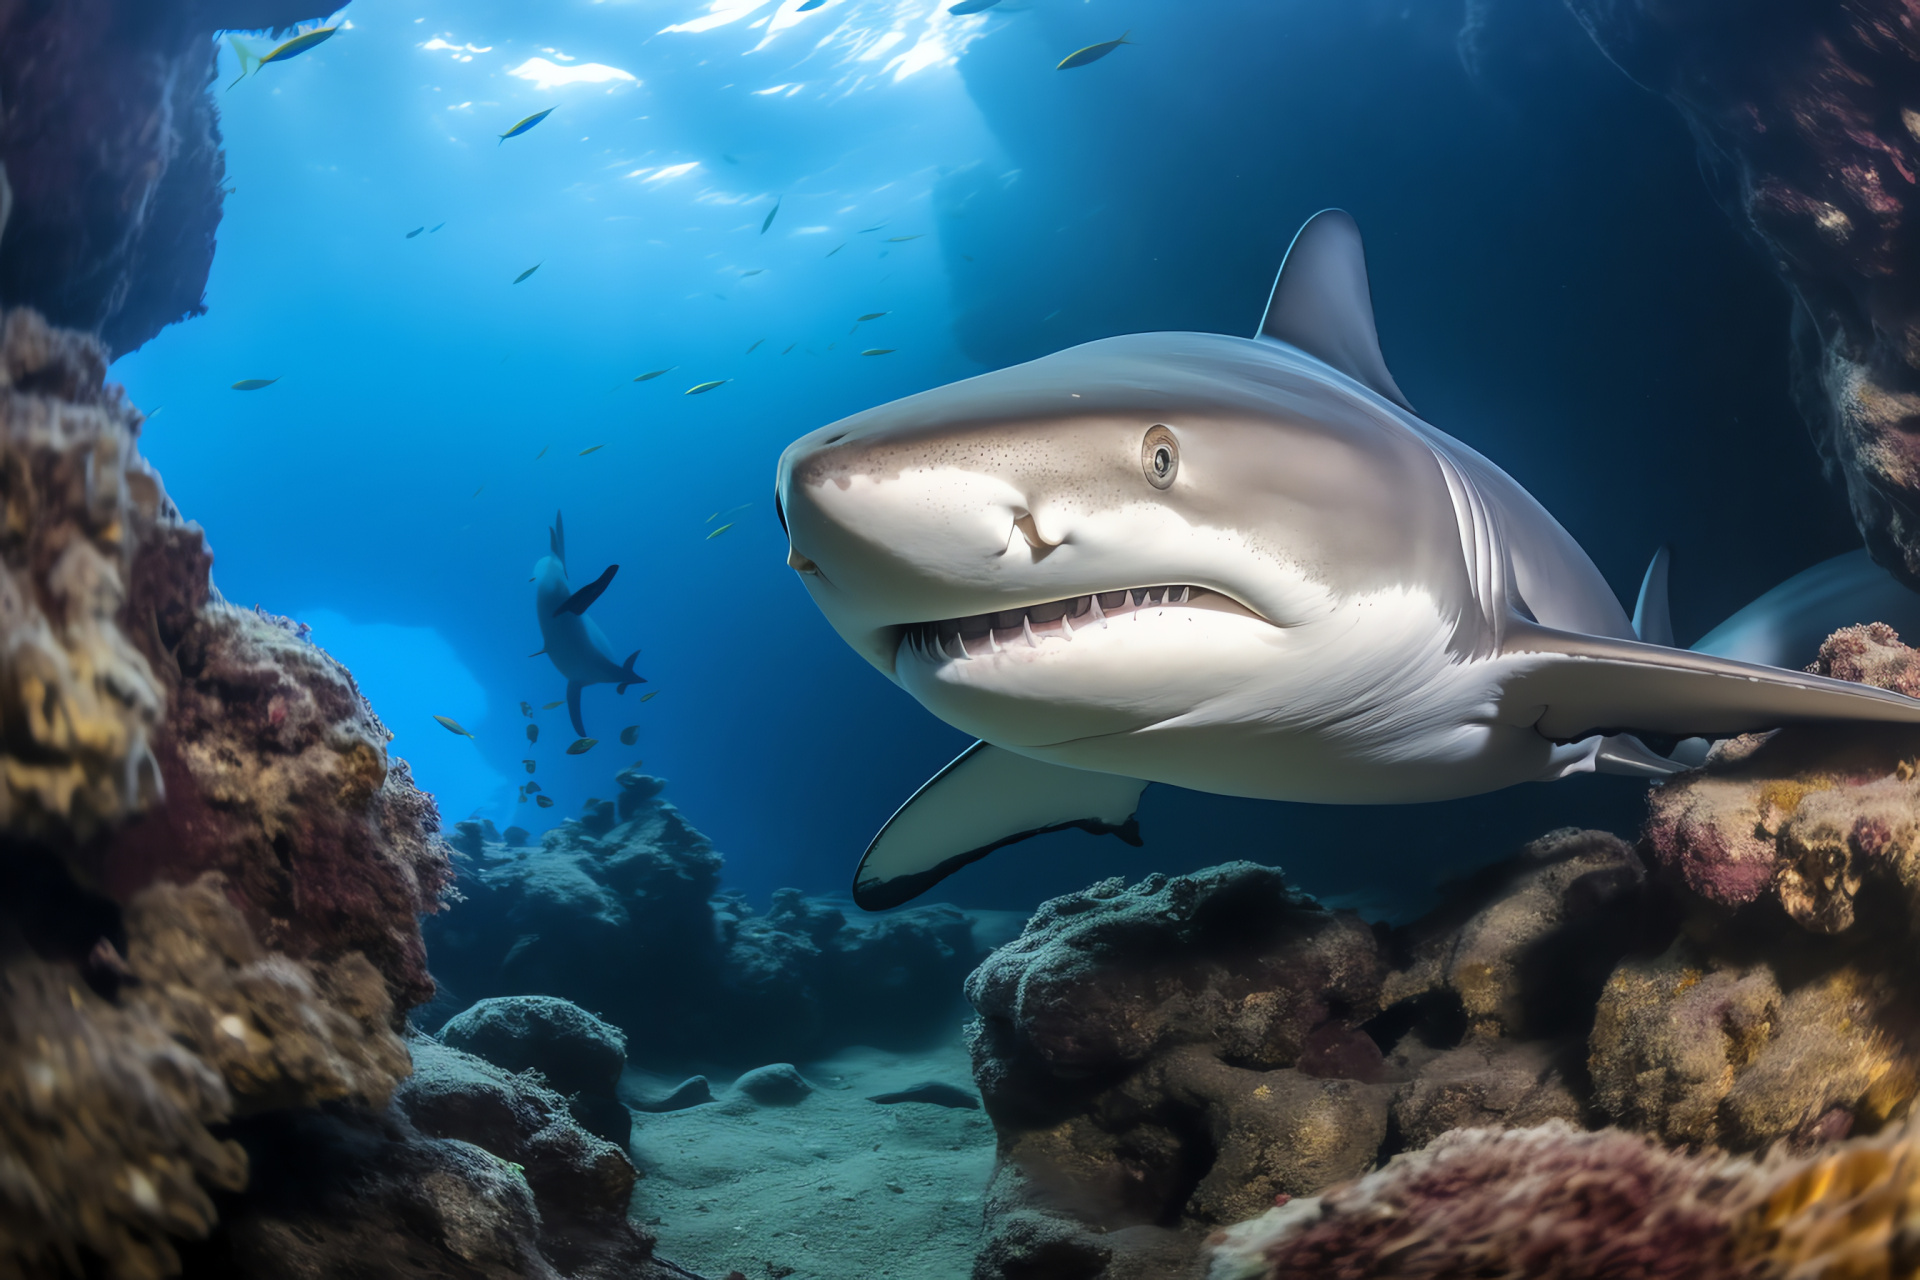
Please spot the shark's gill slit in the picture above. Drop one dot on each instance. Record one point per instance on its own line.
(948, 639)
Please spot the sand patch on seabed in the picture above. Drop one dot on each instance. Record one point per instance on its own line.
(833, 1188)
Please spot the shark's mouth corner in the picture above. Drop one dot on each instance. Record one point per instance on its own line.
(980, 635)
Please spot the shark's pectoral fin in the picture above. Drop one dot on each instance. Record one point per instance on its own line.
(1322, 305)
(582, 599)
(1571, 686)
(986, 799)
(573, 706)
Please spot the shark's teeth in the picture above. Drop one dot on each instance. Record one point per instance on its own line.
(1052, 619)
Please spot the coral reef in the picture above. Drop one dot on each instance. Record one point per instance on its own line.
(112, 149)
(576, 1053)
(630, 888)
(1811, 149)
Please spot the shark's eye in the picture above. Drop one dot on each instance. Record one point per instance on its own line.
(1160, 456)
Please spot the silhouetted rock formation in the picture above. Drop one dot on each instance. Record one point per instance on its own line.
(111, 144)
(1805, 115)
(620, 912)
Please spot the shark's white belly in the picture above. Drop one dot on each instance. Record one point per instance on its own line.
(1365, 704)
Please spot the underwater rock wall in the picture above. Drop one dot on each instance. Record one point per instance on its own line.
(211, 878)
(620, 911)
(111, 145)
(1806, 114)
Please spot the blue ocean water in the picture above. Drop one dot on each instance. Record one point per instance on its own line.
(1544, 257)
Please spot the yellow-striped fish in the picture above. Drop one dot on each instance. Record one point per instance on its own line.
(705, 387)
(452, 726)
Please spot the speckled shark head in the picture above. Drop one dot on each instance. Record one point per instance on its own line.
(1111, 536)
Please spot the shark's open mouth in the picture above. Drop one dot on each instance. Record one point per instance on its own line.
(980, 634)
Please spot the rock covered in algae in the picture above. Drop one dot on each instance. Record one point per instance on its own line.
(81, 702)
(1559, 1204)
(110, 1102)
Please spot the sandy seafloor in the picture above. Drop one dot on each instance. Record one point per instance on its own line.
(833, 1187)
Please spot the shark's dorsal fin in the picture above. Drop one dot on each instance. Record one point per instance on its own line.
(1322, 305)
(557, 540)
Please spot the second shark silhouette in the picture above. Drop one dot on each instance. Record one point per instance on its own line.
(575, 644)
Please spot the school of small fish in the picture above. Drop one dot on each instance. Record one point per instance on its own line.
(302, 41)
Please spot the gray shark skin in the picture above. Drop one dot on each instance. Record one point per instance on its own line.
(1236, 565)
(574, 642)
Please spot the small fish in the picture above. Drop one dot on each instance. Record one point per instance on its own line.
(837, 248)
(280, 53)
(770, 213)
(790, 346)
(590, 448)
(704, 387)
(629, 735)
(646, 697)
(864, 230)
(476, 492)
(879, 351)
(525, 125)
(416, 231)
(542, 453)
(452, 726)
(966, 7)
(545, 802)
(808, 6)
(531, 788)
(1092, 53)
(710, 537)
(526, 708)
(254, 384)
(524, 274)
(729, 159)
(529, 764)
(548, 706)
(435, 227)
(533, 733)
(969, 257)
(872, 315)
(756, 271)
(590, 802)
(755, 347)
(903, 239)
(649, 377)
(580, 746)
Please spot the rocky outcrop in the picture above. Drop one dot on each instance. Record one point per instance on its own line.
(472, 1172)
(1167, 1058)
(1808, 130)
(577, 1054)
(111, 145)
(620, 911)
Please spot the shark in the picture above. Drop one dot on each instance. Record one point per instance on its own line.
(574, 642)
(1245, 565)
